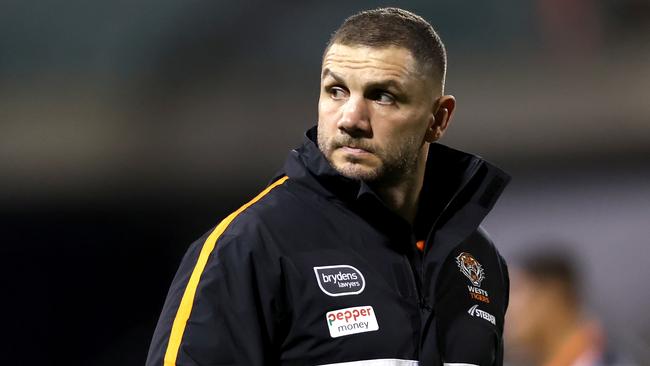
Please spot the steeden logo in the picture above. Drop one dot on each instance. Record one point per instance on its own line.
(475, 311)
(340, 280)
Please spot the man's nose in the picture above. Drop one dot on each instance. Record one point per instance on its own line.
(354, 117)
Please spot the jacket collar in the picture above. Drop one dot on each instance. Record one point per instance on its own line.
(307, 161)
(453, 180)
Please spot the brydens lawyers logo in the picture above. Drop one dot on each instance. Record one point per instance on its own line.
(340, 280)
(471, 268)
(354, 320)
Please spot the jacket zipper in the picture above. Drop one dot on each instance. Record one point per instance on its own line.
(422, 301)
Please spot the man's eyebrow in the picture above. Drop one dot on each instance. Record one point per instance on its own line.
(327, 72)
(385, 84)
(380, 84)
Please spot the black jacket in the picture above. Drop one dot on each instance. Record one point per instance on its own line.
(316, 270)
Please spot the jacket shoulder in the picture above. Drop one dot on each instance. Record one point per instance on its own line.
(481, 241)
(273, 206)
(286, 212)
(484, 245)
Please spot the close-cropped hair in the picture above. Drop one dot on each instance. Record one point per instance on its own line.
(385, 27)
(554, 263)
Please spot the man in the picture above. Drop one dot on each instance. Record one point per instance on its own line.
(366, 249)
(547, 325)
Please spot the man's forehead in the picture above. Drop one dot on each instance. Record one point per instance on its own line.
(392, 61)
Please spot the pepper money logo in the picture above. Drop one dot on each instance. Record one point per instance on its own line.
(340, 280)
(359, 319)
(471, 268)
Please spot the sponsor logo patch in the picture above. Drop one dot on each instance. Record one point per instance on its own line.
(476, 293)
(475, 311)
(359, 319)
(340, 280)
(471, 268)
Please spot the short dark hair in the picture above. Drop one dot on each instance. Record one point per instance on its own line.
(385, 27)
(554, 263)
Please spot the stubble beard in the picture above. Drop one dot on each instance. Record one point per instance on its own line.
(398, 159)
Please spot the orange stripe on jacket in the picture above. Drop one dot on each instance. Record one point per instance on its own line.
(187, 301)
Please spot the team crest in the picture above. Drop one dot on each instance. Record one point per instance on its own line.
(471, 268)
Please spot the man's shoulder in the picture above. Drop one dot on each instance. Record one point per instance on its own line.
(482, 240)
(246, 229)
(280, 203)
(281, 211)
(273, 201)
(482, 271)
(480, 249)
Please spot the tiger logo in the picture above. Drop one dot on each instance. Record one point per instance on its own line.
(471, 268)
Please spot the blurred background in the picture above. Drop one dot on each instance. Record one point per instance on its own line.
(128, 129)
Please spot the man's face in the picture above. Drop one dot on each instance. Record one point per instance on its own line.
(524, 316)
(533, 305)
(374, 111)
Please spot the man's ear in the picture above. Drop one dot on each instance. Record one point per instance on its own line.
(443, 109)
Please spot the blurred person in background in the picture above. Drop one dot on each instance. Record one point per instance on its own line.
(547, 323)
(366, 249)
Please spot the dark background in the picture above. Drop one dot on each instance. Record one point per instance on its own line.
(128, 129)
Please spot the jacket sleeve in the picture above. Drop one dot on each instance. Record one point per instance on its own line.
(470, 318)
(222, 307)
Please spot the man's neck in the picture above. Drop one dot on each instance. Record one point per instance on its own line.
(402, 196)
(565, 325)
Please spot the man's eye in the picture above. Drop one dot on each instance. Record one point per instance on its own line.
(384, 98)
(337, 93)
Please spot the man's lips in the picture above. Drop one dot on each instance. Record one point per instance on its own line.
(354, 150)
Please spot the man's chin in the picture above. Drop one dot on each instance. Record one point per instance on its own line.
(357, 171)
